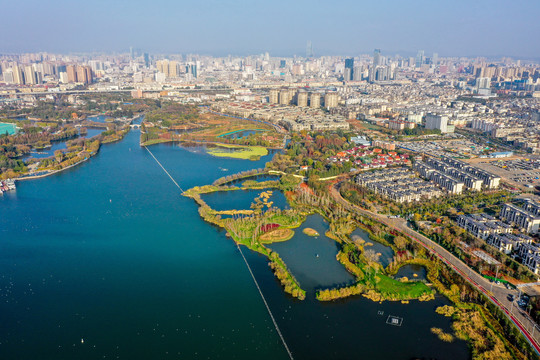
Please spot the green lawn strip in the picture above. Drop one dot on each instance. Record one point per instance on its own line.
(245, 152)
(400, 290)
(155, 141)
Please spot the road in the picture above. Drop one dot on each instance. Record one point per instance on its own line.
(496, 293)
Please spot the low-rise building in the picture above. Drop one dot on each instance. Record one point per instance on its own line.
(522, 218)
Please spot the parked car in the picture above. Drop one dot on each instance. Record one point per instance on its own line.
(510, 297)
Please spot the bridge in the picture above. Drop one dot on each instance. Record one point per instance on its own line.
(135, 126)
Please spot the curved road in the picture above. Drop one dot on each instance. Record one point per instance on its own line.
(497, 294)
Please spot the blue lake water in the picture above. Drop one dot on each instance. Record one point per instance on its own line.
(242, 199)
(386, 252)
(47, 152)
(412, 272)
(110, 252)
(312, 259)
(98, 118)
(91, 132)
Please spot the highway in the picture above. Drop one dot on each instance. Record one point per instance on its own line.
(496, 293)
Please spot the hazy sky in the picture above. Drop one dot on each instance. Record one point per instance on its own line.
(491, 28)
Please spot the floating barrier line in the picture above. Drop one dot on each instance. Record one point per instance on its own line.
(247, 264)
(175, 183)
(266, 304)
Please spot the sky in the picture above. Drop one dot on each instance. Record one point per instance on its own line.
(490, 28)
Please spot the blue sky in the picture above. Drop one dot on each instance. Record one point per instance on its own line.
(344, 27)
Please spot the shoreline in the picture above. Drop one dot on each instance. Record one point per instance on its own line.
(33, 177)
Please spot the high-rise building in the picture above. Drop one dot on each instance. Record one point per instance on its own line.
(331, 100)
(18, 77)
(282, 64)
(191, 69)
(284, 97)
(483, 83)
(309, 49)
(30, 75)
(376, 57)
(89, 76)
(63, 76)
(9, 77)
(349, 69)
(302, 99)
(435, 59)
(358, 73)
(274, 96)
(71, 73)
(81, 75)
(146, 60)
(434, 121)
(315, 100)
(420, 58)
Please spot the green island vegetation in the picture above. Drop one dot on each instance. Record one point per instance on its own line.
(310, 232)
(442, 335)
(238, 151)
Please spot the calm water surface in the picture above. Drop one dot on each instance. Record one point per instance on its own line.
(312, 259)
(386, 252)
(110, 253)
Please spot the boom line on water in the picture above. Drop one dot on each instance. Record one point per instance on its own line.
(166, 172)
(247, 264)
(266, 304)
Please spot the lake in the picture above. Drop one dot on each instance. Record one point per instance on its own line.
(110, 253)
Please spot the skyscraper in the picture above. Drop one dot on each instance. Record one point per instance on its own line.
(376, 57)
(71, 73)
(435, 59)
(420, 58)
(191, 69)
(309, 50)
(349, 69)
(146, 60)
(18, 77)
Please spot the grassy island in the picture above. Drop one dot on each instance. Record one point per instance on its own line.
(310, 232)
(238, 151)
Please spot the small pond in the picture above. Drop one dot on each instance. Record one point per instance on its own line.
(312, 259)
(387, 254)
(412, 272)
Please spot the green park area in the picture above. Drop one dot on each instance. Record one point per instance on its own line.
(238, 152)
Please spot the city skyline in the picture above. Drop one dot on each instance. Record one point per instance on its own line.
(243, 28)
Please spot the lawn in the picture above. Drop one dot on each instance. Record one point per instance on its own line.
(403, 290)
(238, 152)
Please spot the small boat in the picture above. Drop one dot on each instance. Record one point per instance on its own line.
(82, 341)
(316, 255)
